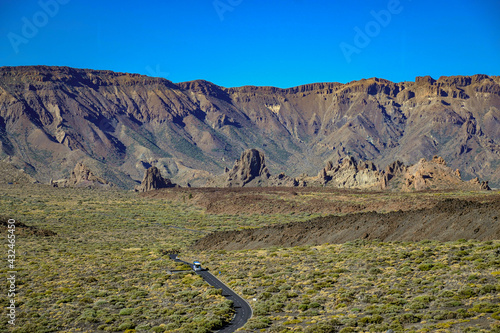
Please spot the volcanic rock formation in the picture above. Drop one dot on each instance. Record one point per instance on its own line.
(436, 175)
(250, 167)
(350, 173)
(251, 171)
(153, 180)
(82, 176)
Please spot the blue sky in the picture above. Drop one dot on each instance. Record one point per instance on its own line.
(255, 42)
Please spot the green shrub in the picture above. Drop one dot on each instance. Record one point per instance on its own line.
(256, 323)
(126, 312)
(485, 307)
(466, 292)
(125, 326)
(447, 294)
(425, 267)
(409, 318)
(376, 319)
(375, 271)
(324, 327)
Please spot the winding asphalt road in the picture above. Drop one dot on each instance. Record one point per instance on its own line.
(243, 310)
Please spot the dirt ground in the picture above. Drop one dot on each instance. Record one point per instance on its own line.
(449, 220)
(284, 200)
(350, 215)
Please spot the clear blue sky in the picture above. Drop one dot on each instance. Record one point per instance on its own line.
(279, 43)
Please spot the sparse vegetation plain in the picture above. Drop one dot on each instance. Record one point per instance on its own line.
(104, 269)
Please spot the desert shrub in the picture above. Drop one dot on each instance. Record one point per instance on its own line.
(450, 303)
(89, 316)
(447, 294)
(408, 318)
(485, 307)
(258, 322)
(466, 292)
(347, 330)
(462, 313)
(249, 291)
(126, 312)
(310, 313)
(425, 267)
(331, 326)
(159, 329)
(375, 319)
(126, 326)
(272, 289)
(261, 309)
(375, 271)
(489, 288)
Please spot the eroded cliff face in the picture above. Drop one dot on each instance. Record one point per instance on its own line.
(53, 117)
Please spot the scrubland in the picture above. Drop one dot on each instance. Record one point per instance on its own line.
(105, 269)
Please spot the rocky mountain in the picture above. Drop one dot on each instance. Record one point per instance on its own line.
(53, 117)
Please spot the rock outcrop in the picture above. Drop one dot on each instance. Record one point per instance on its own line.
(428, 175)
(82, 176)
(153, 180)
(480, 185)
(395, 169)
(250, 169)
(350, 173)
(424, 175)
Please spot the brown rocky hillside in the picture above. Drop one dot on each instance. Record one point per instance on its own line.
(53, 117)
(448, 220)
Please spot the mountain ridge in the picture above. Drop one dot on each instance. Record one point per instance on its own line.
(126, 123)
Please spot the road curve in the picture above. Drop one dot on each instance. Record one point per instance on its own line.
(243, 310)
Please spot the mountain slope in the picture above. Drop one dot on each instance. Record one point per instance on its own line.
(53, 117)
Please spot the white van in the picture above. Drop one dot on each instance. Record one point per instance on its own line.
(197, 266)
